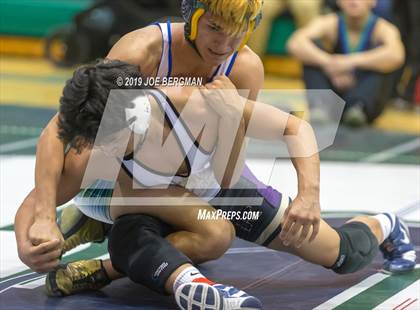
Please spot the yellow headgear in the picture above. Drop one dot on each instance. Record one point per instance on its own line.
(193, 10)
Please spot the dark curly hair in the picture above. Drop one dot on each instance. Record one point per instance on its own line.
(84, 102)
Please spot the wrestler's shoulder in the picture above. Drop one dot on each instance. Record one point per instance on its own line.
(248, 69)
(248, 59)
(142, 47)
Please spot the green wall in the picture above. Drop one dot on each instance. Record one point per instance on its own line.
(36, 17)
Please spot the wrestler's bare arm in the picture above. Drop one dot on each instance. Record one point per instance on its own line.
(42, 256)
(48, 167)
(41, 201)
(267, 122)
(68, 185)
(248, 77)
(50, 149)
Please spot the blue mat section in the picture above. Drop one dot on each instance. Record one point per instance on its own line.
(280, 280)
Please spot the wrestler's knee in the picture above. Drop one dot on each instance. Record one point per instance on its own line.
(137, 248)
(358, 247)
(218, 235)
(372, 223)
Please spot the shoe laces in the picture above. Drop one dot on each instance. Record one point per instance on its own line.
(82, 276)
(396, 245)
(229, 291)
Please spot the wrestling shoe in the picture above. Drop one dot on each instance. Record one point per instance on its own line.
(397, 249)
(202, 296)
(78, 229)
(80, 276)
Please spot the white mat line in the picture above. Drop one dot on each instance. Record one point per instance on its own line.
(408, 209)
(393, 151)
(20, 283)
(261, 280)
(352, 291)
(31, 284)
(17, 277)
(19, 145)
(250, 250)
(405, 298)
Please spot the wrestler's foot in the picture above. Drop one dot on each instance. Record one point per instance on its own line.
(81, 276)
(397, 249)
(202, 296)
(78, 229)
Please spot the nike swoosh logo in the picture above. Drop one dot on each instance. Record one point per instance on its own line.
(194, 274)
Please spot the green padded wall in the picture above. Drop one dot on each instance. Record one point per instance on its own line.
(36, 17)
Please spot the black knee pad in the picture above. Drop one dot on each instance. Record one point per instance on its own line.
(358, 247)
(138, 249)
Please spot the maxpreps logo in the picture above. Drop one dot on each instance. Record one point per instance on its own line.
(204, 214)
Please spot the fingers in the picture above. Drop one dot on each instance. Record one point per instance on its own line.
(51, 256)
(314, 231)
(303, 235)
(204, 91)
(46, 247)
(294, 227)
(292, 233)
(46, 267)
(208, 89)
(213, 84)
(295, 223)
(40, 264)
(213, 97)
(221, 81)
(289, 229)
(45, 257)
(38, 240)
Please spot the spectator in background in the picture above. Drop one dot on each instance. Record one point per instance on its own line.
(383, 8)
(350, 52)
(407, 18)
(303, 11)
